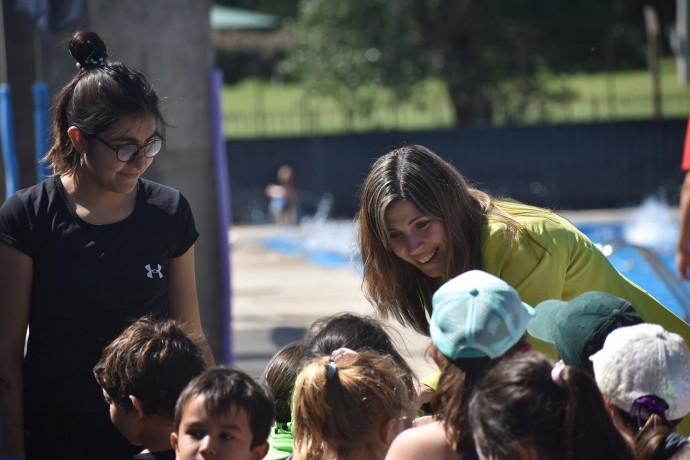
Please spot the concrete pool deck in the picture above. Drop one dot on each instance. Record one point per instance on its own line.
(276, 295)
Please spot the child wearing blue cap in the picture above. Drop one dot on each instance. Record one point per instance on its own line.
(477, 318)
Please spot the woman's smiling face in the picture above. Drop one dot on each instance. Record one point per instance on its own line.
(416, 238)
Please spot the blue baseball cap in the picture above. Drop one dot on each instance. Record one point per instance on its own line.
(477, 315)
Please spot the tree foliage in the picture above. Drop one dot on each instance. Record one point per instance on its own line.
(493, 55)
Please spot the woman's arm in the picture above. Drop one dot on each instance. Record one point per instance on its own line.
(682, 250)
(184, 305)
(16, 274)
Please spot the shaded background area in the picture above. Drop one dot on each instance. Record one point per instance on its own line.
(565, 166)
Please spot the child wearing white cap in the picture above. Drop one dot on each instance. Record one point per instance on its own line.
(476, 319)
(643, 372)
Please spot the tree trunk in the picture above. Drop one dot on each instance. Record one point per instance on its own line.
(471, 105)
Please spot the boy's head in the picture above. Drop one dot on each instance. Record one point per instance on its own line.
(146, 367)
(223, 412)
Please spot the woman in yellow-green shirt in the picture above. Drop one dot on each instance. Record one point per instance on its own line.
(421, 224)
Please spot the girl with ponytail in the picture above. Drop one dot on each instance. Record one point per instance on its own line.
(525, 407)
(350, 406)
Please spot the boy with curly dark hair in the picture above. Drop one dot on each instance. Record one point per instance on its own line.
(142, 372)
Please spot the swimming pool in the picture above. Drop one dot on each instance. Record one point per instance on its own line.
(629, 244)
(633, 261)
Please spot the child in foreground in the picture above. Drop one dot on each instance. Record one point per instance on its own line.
(477, 319)
(279, 377)
(142, 372)
(325, 335)
(224, 414)
(350, 406)
(643, 372)
(527, 408)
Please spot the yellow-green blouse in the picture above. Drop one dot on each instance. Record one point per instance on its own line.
(554, 260)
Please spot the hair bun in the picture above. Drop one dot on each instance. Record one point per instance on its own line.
(88, 50)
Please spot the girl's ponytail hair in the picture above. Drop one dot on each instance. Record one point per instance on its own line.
(558, 411)
(340, 406)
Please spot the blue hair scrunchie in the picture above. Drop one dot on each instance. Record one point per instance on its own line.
(331, 369)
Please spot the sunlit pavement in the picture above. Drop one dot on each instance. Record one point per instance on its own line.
(276, 296)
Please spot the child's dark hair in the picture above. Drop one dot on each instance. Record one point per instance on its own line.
(349, 330)
(153, 360)
(225, 389)
(99, 95)
(518, 402)
(451, 398)
(449, 402)
(339, 407)
(279, 376)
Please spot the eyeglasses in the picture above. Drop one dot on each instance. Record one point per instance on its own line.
(128, 151)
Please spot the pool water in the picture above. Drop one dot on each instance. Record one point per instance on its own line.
(633, 265)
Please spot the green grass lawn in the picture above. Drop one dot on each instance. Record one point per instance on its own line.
(255, 108)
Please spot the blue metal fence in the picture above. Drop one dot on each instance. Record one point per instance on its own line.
(561, 166)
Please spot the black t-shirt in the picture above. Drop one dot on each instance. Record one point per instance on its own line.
(89, 282)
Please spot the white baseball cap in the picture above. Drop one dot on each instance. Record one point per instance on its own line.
(644, 360)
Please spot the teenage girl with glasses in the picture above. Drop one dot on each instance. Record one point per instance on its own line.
(83, 254)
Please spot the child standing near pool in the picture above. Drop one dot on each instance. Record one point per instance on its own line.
(284, 197)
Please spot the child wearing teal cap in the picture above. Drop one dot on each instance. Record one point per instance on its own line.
(477, 318)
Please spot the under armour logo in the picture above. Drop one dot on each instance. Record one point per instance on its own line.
(152, 271)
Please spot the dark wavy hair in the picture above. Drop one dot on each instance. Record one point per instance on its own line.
(99, 95)
(224, 390)
(518, 403)
(279, 376)
(450, 401)
(153, 360)
(350, 330)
